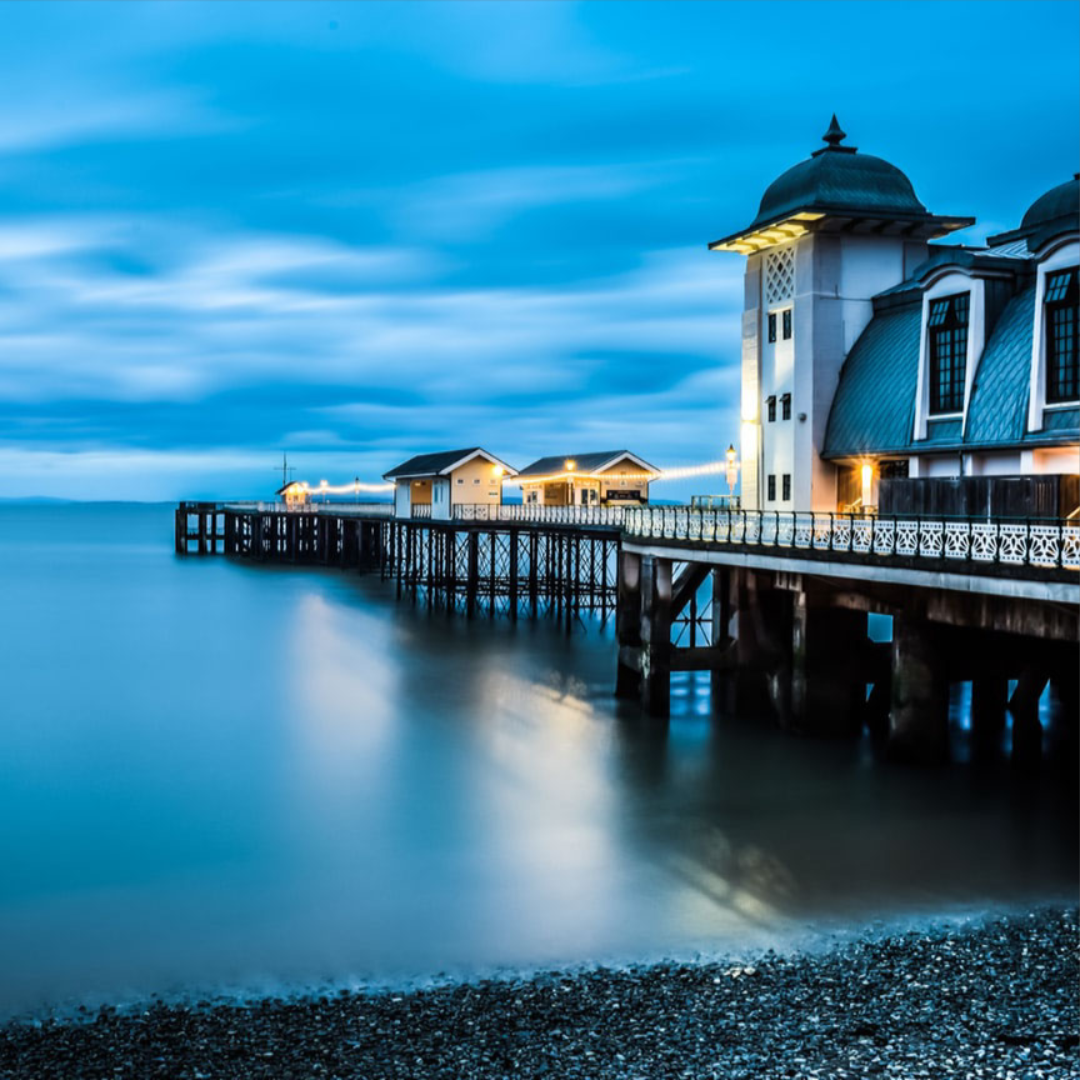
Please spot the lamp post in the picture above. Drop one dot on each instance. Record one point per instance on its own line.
(323, 485)
(731, 473)
(570, 465)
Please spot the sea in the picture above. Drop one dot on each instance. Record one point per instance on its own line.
(220, 778)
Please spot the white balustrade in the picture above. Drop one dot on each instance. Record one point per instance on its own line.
(884, 537)
(1044, 544)
(1014, 543)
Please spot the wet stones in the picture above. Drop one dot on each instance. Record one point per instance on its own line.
(994, 1001)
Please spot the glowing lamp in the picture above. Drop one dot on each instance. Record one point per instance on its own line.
(731, 473)
(867, 484)
(570, 464)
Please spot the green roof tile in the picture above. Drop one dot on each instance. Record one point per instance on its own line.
(873, 411)
(999, 398)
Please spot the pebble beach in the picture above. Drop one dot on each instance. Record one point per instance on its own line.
(997, 998)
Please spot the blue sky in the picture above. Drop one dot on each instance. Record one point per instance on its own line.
(361, 231)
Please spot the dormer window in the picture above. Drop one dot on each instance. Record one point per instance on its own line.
(948, 326)
(1061, 359)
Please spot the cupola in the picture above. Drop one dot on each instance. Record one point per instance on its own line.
(838, 189)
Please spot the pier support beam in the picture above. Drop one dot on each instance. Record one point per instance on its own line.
(627, 625)
(989, 700)
(1024, 706)
(760, 681)
(656, 636)
(829, 668)
(919, 713)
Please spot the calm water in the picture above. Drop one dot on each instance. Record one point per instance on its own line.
(221, 774)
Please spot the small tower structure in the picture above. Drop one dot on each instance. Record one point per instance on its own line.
(830, 233)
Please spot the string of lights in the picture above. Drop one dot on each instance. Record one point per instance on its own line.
(356, 487)
(353, 488)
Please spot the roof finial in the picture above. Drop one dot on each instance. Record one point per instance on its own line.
(835, 135)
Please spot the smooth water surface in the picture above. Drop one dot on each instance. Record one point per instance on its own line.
(213, 773)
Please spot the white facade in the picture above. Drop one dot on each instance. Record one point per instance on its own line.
(434, 485)
(840, 239)
(829, 300)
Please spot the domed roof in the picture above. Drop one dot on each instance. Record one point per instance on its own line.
(1059, 202)
(840, 178)
(838, 189)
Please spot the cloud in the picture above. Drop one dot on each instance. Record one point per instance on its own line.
(229, 311)
(470, 205)
(85, 114)
(360, 231)
(374, 353)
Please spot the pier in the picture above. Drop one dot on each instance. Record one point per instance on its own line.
(910, 448)
(500, 561)
(785, 624)
(773, 605)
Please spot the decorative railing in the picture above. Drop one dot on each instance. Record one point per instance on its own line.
(421, 511)
(371, 510)
(610, 516)
(1037, 542)
(367, 510)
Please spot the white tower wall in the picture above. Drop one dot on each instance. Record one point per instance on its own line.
(835, 277)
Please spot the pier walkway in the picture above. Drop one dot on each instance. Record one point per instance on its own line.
(774, 605)
(562, 562)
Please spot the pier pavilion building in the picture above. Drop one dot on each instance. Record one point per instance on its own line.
(602, 478)
(870, 352)
(294, 493)
(432, 485)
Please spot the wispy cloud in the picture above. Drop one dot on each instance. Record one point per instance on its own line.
(466, 206)
(234, 311)
(84, 114)
(360, 231)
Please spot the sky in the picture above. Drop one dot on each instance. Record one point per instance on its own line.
(357, 232)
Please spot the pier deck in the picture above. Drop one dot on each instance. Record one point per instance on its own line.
(508, 565)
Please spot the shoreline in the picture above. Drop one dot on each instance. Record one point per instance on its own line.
(993, 998)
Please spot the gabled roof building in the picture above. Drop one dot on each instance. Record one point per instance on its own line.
(431, 485)
(869, 351)
(598, 478)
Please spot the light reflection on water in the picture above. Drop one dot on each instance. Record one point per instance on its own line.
(214, 772)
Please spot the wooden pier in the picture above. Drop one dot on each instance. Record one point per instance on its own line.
(773, 606)
(470, 566)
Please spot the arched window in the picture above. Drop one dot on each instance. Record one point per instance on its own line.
(1061, 360)
(948, 325)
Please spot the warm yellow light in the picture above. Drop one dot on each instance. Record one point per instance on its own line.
(731, 454)
(680, 473)
(343, 489)
(867, 484)
(748, 409)
(497, 470)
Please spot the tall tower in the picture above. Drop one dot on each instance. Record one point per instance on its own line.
(830, 233)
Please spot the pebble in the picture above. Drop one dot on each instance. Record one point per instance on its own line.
(997, 1001)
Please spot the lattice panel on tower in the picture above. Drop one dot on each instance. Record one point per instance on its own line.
(779, 275)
